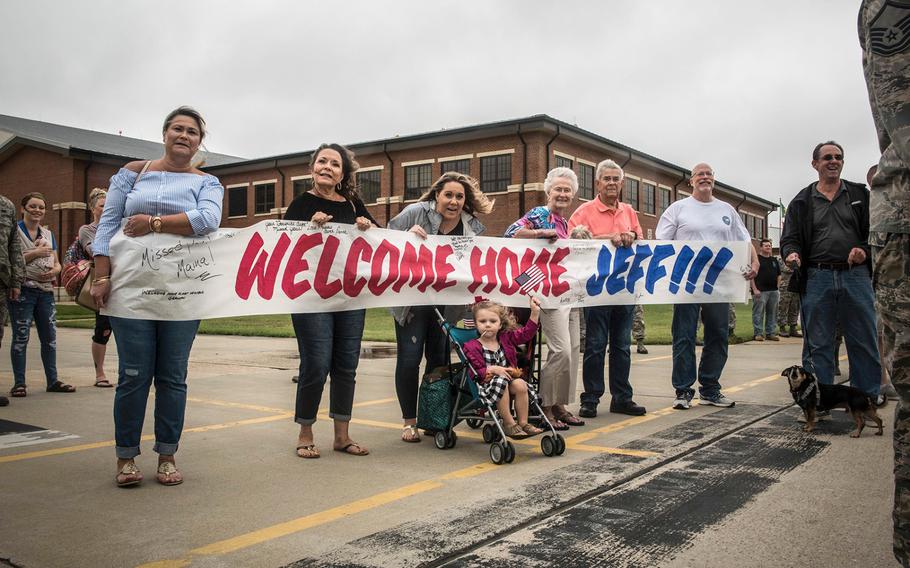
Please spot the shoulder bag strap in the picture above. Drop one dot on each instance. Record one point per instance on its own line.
(144, 169)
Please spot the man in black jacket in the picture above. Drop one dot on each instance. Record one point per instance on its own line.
(826, 235)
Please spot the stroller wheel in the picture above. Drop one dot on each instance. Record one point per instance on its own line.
(451, 440)
(441, 440)
(489, 434)
(548, 445)
(497, 453)
(560, 445)
(474, 423)
(510, 452)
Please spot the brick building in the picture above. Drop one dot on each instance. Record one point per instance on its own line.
(509, 158)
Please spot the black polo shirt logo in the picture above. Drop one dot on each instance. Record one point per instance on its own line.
(889, 32)
(726, 220)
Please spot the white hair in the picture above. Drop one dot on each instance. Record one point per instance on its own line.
(560, 172)
(608, 164)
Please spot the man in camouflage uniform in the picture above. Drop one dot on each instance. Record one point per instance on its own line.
(12, 263)
(788, 309)
(638, 329)
(884, 33)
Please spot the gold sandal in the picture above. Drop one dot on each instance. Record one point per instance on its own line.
(410, 434)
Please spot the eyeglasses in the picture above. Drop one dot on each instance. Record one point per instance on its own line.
(829, 157)
(614, 179)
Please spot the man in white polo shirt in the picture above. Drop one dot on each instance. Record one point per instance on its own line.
(701, 217)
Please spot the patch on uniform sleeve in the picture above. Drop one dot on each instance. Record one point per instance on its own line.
(889, 32)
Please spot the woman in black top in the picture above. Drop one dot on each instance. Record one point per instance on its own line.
(329, 342)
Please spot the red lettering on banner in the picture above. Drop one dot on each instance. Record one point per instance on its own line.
(296, 264)
(558, 288)
(323, 287)
(360, 250)
(443, 268)
(385, 249)
(416, 268)
(483, 271)
(259, 268)
(507, 270)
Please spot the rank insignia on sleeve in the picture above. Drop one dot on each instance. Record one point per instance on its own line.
(889, 31)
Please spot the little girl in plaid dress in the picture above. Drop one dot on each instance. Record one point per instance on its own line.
(493, 355)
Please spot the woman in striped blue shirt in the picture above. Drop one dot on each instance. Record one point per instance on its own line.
(167, 195)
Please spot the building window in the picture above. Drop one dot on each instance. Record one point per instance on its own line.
(648, 201)
(265, 198)
(460, 166)
(495, 173)
(663, 200)
(237, 201)
(745, 220)
(585, 181)
(417, 179)
(680, 195)
(301, 186)
(563, 162)
(630, 193)
(369, 182)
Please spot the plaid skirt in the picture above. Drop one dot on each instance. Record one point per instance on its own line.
(491, 391)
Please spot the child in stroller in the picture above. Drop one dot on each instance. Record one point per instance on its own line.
(494, 359)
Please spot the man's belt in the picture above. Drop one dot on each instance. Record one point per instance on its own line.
(830, 265)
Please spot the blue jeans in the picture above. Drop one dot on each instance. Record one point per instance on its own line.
(764, 312)
(38, 306)
(844, 297)
(420, 336)
(329, 343)
(150, 351)
(713, 356)
(613, 325)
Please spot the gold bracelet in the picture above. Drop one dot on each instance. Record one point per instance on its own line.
(101, 279)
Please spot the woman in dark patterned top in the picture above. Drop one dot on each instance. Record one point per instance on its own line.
(329, 342)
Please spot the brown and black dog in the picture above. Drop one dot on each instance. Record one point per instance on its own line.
(811, 395)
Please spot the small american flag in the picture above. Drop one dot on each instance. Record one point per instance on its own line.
(469, 322)
(529, 279)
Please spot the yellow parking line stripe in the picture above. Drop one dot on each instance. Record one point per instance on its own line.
(618, 451)
(229, 404)
(649, 359)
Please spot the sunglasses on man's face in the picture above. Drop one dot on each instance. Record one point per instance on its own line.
(829, 157)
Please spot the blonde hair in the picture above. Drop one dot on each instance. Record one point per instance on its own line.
(95, 195)
(506, 318)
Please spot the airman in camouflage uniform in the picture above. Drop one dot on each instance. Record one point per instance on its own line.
(788, 309)
(638, 329)
(885, 39)
(12, 263)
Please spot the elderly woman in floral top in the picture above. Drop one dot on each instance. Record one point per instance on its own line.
(560, 373)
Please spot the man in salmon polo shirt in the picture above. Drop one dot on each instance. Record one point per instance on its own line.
(608, 218)
(702, 217)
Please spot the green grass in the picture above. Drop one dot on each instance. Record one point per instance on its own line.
(379, 325)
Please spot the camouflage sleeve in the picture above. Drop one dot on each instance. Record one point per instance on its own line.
(16, 260)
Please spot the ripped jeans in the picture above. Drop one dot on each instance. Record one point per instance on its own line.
(151, 351)
(38, 306)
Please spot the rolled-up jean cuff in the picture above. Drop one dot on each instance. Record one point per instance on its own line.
(165, 449)
(127, 453)
(340, 417)
(305, 421)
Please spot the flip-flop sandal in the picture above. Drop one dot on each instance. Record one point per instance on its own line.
(168, 474)
(103, 383)
(309, 452)
(18, 391)
(129, 475)
(559, 425)
(353, 449)
(571, 419)
(60, 386)
(410, 434)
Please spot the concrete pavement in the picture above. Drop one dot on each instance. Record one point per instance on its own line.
(704, 487)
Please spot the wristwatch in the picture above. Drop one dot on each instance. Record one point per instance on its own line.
(156, 224)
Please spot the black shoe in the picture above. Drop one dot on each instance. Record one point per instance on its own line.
(4, 401)
(587, 411)
(641, 349)
(627, 407)
(783, 332)
(795, 332)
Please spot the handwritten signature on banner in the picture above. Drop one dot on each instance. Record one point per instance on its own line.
(292, 266)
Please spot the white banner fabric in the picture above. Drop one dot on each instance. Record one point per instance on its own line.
(281, 267)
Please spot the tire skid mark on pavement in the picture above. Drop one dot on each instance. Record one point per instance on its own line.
(431, 539)
(657, 517)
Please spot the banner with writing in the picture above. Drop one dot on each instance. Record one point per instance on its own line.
(280, 267)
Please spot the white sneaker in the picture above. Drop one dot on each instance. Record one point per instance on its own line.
(719, 400)
(682, 403)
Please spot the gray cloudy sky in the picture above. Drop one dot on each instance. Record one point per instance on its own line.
(749, 87)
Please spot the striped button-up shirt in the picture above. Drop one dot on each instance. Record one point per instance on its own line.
(159, 193)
